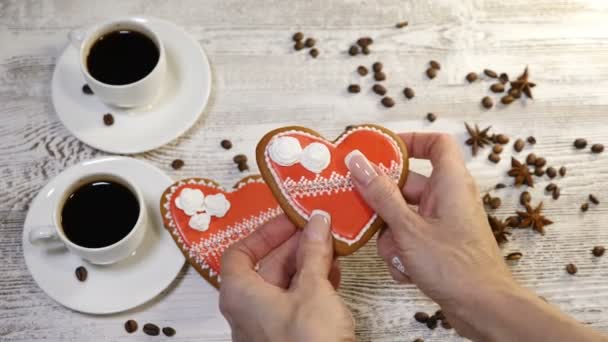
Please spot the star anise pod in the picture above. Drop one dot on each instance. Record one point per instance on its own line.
(521, 173)
(478, 139)
(523, 84)
(499, 229)
(533, 218)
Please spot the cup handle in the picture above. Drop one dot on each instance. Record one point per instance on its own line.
(76, 37)
(45, 233)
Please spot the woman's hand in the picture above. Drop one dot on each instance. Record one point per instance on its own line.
(291, 296)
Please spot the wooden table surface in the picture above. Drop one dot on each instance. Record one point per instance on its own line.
(260, 83)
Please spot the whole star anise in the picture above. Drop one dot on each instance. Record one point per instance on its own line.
(523, 84)
(478, 139)
(521, 173)
(533, 218)
(499, 229)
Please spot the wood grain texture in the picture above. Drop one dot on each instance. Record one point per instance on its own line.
(260, 83)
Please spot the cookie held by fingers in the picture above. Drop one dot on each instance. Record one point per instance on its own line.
(305, 172)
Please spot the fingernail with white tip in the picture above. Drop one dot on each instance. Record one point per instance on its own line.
(398, 265)
(359, 167)
(318, 225)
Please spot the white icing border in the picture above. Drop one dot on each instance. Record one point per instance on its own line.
(295, 206)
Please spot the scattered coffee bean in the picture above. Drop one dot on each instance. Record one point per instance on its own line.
(531, 159)
(87, 90)
(584, 207)
(299, 45)
(531, 140)
(550, 187)
(516, 93)
(362, 70)
(421, 317)
(439, 314)
(226, 144)
(379, 89)
(446, 325)
(242, 167)
(562, 171)
(490, 73)
(525, 198)
(556, 193)
(593, 199)
(513, 221)
(401, 24)
(130, 326)
(81, 273)
(177, 164)
(486, 199)
(519, 144)
(471, 77)
(151, 329)
(298, 36)
(310, 42)
(514, 256)
(551, 172)
(571, 268)
(354, 88)
(388, 102)
(379, 76)
(431, 117)
(435, 65)
(418, 340)
(540, 162)
(539, 171)
(365, 50)
(504, 78)
(168, 331)
(108, 119)
(502, 139)
(497, 149)
(408, 93)
(431, 73)
(431, 323)
(507, 99)
(487, 102)
(598, 251)
(580, 143)
(365, 41)
(497, 88)
(495, 203)
(239, 159)
(377, 67)
(494, 158)
(500, 186)
(354, 50)
(314, 53)
(597, 148)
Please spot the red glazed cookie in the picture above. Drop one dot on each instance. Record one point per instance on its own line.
(307, 172)
(204, 219)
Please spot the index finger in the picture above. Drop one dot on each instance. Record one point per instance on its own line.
(440, 148)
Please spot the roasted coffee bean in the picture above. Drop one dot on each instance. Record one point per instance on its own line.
(500, 186)
(130, 326)
(597, 148)
(580, 143)
(497, 88)
(431, 323)
(531, 140)
(239, 158)
(446, 325)
(418, 340)
(242, 167)
(431, 117)
(539, 171)
(593, 199)
(354, 88)
(486, 199)
(168, 331)
(314, 53)
(439, 315)
(525, 198)
(507, 99)
(431, 73)
(379, 76)
(377, 67)
(571, 269)
(516, 93)
(299, 45)
(550, 187)
(226, 144)
(365, 41)
(81, 273)
(361, 70)
(353, 51)
(514, 256)
(513, 221)
(87, 90)
(177, 164)
(551, 172)
(494, 158)
(497, 149)
(421, 317)
(408, 93)
(108, 119)
(151, 329)
(401, 24)
(388, 102)
(531, 159)
(502, 139)
(487, 102)
(504, 78)
(379, 89)
(297, 36)
(598, 251)
(472, 77)
(495, 203)
(562, 171)
(435, 65)
(490, 73)
(310, 42)
(365, 50)
(519, 145)
(540, 162)
(584, 207)
(556, 193)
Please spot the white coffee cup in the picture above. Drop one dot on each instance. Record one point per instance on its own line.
(139, 93)
(103, 255)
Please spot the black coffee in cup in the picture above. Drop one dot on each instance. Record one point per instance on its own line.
(122, 57)
(99, 214)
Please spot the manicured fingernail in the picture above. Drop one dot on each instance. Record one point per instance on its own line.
(398, 265)
(318, 225)
(359, 167)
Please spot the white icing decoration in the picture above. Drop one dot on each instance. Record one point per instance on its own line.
(217, 205)
(285, 151)
(200, 222)
(315, 157)
(190, 201)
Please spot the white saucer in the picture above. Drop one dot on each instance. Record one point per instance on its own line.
(186, 92)
(108, 289)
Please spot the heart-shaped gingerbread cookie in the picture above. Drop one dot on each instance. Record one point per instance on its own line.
(204, 219)
(307, 172)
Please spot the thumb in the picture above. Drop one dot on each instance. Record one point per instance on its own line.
(382, 194)
(315, 253)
